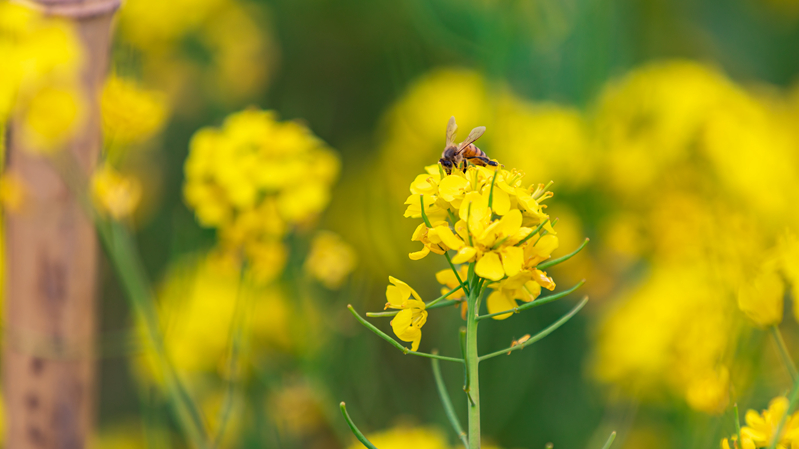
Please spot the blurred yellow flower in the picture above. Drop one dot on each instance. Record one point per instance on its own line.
(50, 118)
(331, 259)
(12, 192)
(761, 428)
(407, 324)
(39, 76)
(130, 113)
(761, 298)
(114, 193)
(256, 178)
(403, 437)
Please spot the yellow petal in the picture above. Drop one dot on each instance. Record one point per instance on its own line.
(490, 267)
(465, 254)
(452, 186)
(419, 254)
(448, 238)
(512, 260)
(498, 302)
(500, 202)
(761, 299)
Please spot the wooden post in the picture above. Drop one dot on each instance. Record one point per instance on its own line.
(51, 255)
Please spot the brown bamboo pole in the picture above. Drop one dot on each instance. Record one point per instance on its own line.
(51, 270)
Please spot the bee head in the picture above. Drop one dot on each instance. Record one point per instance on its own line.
(446, 163)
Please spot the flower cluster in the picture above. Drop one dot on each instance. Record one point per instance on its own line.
(492, 223)
(130, 113)
(256, 178)
(488, 217)
(40, 60)
(762, 428)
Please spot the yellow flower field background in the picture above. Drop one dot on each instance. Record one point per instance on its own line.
(265, 164)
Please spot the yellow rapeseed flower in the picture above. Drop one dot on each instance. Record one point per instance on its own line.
(130, 113)
(256, 178)
(114, 193)
(50, 118)
(761, 298)
(331, 259)
(407, 325)
(761, 428)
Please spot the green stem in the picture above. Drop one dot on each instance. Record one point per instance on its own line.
(541, 334)
(472, 361)
(737, 421)
(120, 250)
(784, 354)
(447, 402)
(360, 436)
(535, 231)
(394, 343)
(610, 440)
(457, 276)
(549, 263)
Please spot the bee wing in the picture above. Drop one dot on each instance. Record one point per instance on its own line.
(474, 135)
(452, 130)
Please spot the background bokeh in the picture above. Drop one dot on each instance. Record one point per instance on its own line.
(670, 130)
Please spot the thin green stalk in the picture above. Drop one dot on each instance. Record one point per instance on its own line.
(530, 235)
(447, 402)
(472, 361)
(491, 193)
(737, 421)
(541, 334)
(134, 281)
(784, 354)
(549, 263)
(538, 302)
(237, 337)
(610, 440)
(360, 436)
(457, 276)
(394, 343)
(434, 304)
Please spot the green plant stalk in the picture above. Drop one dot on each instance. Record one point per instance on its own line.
(447, 403)
(610, 440)
(784, 354)
(358, 434)
(120, 249)
(472, 361)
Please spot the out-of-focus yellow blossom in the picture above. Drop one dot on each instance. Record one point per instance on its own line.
(12, 192)
(130, 113)
(331, 259)
(761, 428)
(239, 51)
(403, 437)
(50, 117)
(40, 59)
(760, 298)
(114, 193)
(256, 178)
(407, 324)
(122, 436)
(297, 410)
(681, 328)
(198, 304)
(746, 443)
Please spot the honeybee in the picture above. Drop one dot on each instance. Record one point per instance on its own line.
(454, 155)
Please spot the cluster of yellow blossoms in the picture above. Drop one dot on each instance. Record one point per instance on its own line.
(254, 179)
(762, 429)
(40, 61)
(488, 218)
